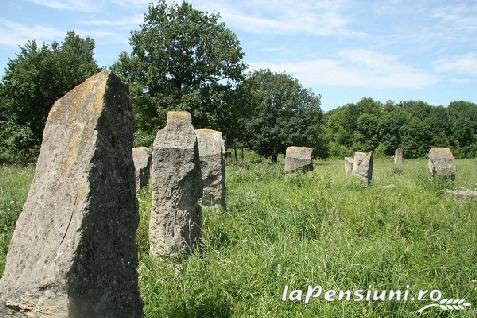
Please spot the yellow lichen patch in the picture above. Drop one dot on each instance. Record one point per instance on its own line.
(298, 149)
(441, 150)
(85, 101)
(181, 115)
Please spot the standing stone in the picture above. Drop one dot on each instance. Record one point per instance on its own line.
(298, 158)
(142, 158)
(212, 165)
(398, 156)
(348, 164)
(174, 226)
(73, 251)
(363, 166)
(441, 163)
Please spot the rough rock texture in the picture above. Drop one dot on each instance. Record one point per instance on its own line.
(348, 164)
(298, 158)
(212, 165)
(441, 163)
(363, 166)
(174, 226)
(142, 158)
(398, 156)
(73, 252)
(462, 195)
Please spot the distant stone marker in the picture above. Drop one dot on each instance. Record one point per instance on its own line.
(441, 163)
(298, 158)
(73, 252)
(398, 156)
(348, 164)
(363, 166)
(142, 157)
(174, 226)
(212, 165)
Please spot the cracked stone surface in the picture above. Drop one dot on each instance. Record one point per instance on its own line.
(73, 251)
(174, 225)
(212, 165)
(298, 159)
(363, 166)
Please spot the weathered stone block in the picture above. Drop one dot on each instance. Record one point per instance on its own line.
(398, 156)
(348, 164)
(298, 158)
(462, 195)
(363, 166)
(73, 251)
(441, 163)
(175, 221)
(212, 165)
(142, 158)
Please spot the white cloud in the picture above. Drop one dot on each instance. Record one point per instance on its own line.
(283, 17)
(120, 21)
(14, 34)
(465, 64)
(72, 5)
(460, 16)
(359, 68)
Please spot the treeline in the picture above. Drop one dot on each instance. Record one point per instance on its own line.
(415, 126)
(185, 59)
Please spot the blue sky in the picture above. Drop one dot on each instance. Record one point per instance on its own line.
(343, 50)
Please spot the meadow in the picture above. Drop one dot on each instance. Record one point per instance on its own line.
(321, 228)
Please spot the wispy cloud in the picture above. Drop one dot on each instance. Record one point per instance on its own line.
(72, 5)
(14, 34)
(464, 64)
(128, 21)
(460, 16)
(132, 3)
(356, 68)
(284, 17)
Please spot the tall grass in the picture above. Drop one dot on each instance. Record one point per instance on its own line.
(322, 228)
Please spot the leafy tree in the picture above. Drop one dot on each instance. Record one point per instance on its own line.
(33, 81)
(283, 114)
(185, 59)
(463, 125)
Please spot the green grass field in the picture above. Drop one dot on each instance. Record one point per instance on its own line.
(322, 228)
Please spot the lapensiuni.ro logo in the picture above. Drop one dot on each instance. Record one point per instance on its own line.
(433, 297)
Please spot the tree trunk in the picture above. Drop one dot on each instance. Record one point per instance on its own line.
(274, 158)
(235, 152)
(241, 154)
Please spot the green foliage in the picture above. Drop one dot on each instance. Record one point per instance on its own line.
(415, 126)
(14, 183)
(321, 228)
(282, 113)
(33, 81)
(182, 59)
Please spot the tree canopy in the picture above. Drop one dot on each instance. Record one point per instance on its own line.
(32, 82)
(184, 59)
(281, 113)
(413, 125)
